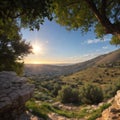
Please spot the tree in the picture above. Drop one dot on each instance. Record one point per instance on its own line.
(14, 15)
(103, 15)
(27, 13)
(12, 49)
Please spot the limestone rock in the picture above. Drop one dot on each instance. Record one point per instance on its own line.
(113, 112)
(14, 92)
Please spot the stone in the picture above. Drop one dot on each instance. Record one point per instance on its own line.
(14, 92)
(113, 112)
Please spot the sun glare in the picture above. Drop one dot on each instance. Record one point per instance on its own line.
(37, 48)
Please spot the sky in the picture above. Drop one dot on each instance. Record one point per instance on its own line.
(53, 44)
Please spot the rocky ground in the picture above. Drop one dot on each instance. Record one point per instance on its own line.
(113, 112)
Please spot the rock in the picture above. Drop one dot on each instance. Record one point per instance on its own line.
(117, 98)
(14, 92)
(113, 112)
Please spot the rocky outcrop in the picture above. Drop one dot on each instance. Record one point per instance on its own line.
(14, 92)
(113, 112)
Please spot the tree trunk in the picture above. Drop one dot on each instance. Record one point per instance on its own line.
(109, 28)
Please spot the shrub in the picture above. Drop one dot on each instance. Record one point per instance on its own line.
(69, 95)
(91, 94)
(111, 89)
(56, 89)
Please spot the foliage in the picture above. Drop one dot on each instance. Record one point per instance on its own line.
(12, 49)
(56, 89)
(15, 15)
(111, 89)
(69, 95)
(91, 94)
(103, 15)
(27, 13)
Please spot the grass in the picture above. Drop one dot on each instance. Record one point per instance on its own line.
(38, 110)
(42, 110)
(97, 113)
(101, 76)
(70, 113)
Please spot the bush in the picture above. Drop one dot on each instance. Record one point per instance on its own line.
(69, 95)
(111, 89)
(91, 94)
(56, 89)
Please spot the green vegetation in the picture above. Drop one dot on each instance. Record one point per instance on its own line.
(56, 89)
(91, 94)
(28, 13)
(15, 15)
(12, 48)
(39, 110)
(101, 14)
(69, 95)
(80, 90)
(42, 109)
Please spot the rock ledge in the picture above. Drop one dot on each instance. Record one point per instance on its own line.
(14, 92)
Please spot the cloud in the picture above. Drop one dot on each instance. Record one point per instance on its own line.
(94, 41)
(105, 47)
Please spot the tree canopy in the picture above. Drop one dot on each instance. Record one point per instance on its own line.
(27, 13)
(12, 48)
(14, 15)
(103, 15)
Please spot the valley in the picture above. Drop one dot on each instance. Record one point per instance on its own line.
(75, 92)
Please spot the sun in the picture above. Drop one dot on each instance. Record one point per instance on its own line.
(37, 48)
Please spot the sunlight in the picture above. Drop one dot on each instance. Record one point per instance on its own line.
(37, 48)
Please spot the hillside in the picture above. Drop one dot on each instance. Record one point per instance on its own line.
(110, 57)
(99, 76)
(54, 70)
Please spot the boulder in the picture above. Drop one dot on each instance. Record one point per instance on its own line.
(14, 92)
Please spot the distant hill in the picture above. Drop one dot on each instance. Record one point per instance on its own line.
(110, 57)
(54, 70)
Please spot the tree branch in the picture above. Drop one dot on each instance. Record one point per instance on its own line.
(101, 18)
(72, 3)
(103, 7)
